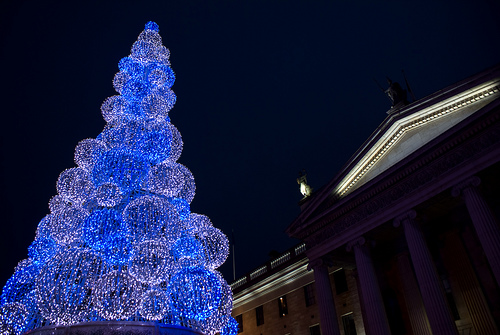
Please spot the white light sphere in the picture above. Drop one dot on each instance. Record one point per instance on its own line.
(152, 262)
(75, 185)
(166, 179)
(66, 225)
(13, 318)
(108, 195)
(188, 189)
(215, 245)
(116, 295)
(65, 283)
(87, 151)
(151, 217)
(177, 144)
(154, 305)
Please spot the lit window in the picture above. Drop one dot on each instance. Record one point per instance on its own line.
(283, 307)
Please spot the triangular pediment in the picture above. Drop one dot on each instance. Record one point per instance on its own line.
(403, 133)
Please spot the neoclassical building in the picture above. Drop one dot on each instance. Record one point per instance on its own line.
(405, 238)
(414, 214)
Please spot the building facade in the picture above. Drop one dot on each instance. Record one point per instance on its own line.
(411, 221)
(280, 297)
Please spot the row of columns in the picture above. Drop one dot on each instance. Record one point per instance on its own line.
(437, 314)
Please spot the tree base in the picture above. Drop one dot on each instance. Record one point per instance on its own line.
(115, 328)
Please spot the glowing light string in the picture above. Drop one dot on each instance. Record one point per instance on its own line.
(121, 242)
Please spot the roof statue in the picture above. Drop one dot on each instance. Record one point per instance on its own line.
(396, 93)
(305, 189)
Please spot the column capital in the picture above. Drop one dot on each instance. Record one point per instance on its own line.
(325, 261)
(411, 214)
(357, 241)
(473, 181)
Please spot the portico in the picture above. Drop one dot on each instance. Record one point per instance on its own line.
(414, 213)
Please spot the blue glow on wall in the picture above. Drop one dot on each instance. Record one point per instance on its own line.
(121, 242)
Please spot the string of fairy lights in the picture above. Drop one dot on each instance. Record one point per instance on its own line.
(120, 241)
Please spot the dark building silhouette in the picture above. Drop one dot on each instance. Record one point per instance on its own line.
(405, 238)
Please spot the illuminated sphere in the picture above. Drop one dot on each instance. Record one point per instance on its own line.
(64, 285)
(43, 229)
(134, 90)
(177, 144)
(166, 179)
(108, 195)
(161, 75)
(42, 249)
(188, 189)
(196, 223)
(155, 144)
(216, 246)
(118, 250)
(74, 184)
(152, 262)
(100, 225)
(220, 316)
(58, 203)
(21, 284)
(231, 327)
(181, 206)
(156, 105)
(188, 247)
(120, 167)
(116, 295)
(194, 293)
(119, 80)
(115, 107)
(66, 225)
(154, 305)
(159, 107)
(13, 318)
(151, 217)
(87, 151)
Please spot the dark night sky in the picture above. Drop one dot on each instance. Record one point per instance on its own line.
(264, 89)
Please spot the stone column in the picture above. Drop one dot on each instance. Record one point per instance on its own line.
(376, 318)
(327, 313)
(413, 299)
(485, 224)
(436, 306)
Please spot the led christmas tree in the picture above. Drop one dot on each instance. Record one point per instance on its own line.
(120, 242)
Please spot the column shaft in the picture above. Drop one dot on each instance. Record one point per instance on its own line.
(486, 226)
(376, 318)
(328, 315)
(436, 306)
(413, 299)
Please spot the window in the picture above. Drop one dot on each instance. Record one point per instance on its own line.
(283, 307)
(314, 330)
(340, 281)
(239, 319)
(309, 294)
(259, 314)
(348, 324)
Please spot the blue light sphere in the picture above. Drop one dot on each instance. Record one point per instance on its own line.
(121, 167)
(194, 293)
